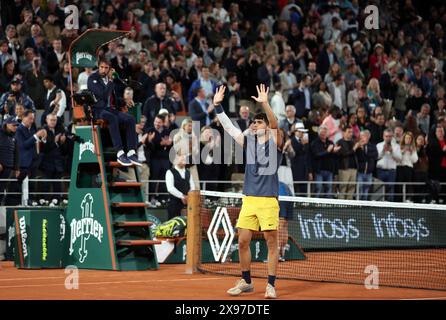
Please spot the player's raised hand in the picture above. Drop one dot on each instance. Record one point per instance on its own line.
(219, 95)
(262, 94)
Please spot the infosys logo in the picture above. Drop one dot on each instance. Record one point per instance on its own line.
(391, 226)
(320, 227)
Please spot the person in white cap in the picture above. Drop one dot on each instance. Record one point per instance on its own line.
(300, 164)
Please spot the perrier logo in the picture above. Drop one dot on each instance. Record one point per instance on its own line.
(84, 228)
(83, 55)
(84, 146)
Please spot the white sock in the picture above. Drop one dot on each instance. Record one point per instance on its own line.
(131, 153)
(120, 153)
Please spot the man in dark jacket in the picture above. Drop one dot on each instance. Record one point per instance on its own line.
(367, 154)
(9, 159)
(377, 129)
(121, 63)
(108, 107)
(326, 58)
(301, 97)
(27, 140)
(348, 164)
(323, 154)
(159, 148)
(200, 110)
(160, 100)
(52, 159)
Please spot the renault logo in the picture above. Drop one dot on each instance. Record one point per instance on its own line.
(220, 251)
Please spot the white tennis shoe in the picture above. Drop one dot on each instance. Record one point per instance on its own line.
(240, 287)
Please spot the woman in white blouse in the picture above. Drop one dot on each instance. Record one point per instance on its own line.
(404, 170)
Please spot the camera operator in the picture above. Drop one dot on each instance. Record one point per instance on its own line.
(9, 100)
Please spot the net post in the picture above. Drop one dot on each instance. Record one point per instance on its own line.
(193, 242)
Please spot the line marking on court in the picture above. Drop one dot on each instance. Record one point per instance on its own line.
(111, 282)
(49, 278)
(433, 298)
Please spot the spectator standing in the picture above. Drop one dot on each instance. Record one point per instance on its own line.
(377, 128)
(401, 95)
(159, 156)
(377, 61)
(204, 82)
(7, 75)
(9, 160)
(55, 101)
(28, 140)
(338, 92)
(34, 83)
(333, 124)
(356, 97)
(361, 118)
(200, 109)
(278, 104)
(367, 154)
(301, 97)
(404, 170)
(389, 155)
(144, 139)
(348, 164)
(326, 58)
(52, 156)
(421, 168)
(288, 81)
(209, 166)
(301, 162)
(374, 94)
(160, 100)
(322, 99)
(323, 155)
(424, 118)
(290, 120)
(436, 151)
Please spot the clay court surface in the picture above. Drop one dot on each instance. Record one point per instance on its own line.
(171, 283)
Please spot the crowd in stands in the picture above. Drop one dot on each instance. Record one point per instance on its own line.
(355, 104)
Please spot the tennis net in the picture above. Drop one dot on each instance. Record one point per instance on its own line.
(361, 242)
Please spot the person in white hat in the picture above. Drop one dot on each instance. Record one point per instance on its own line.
(300, 164)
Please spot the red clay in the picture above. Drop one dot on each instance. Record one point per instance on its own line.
(171, 283)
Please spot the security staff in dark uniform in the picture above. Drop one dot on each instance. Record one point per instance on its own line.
(107, 107)
(9, 159)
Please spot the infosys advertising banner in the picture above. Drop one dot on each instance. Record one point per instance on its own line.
(367, 227)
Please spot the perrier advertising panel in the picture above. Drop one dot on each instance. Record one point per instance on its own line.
(91, 242)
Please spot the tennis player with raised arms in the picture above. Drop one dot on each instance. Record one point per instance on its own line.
(260, 207)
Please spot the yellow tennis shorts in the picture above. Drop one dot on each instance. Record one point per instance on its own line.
(259, 213)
